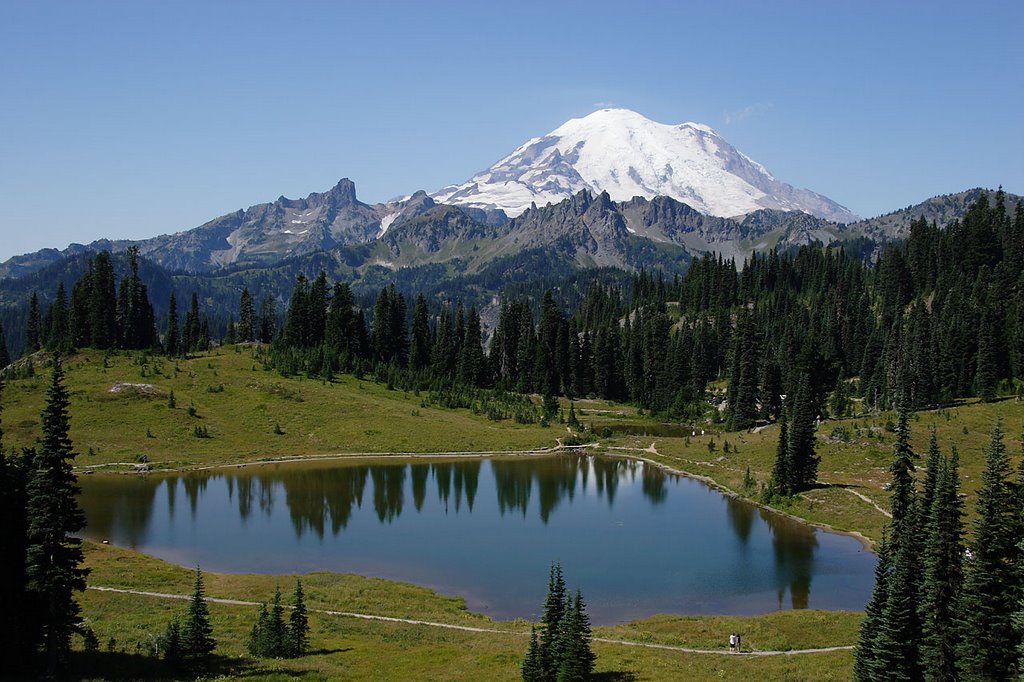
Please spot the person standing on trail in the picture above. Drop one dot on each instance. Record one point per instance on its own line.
(732, 643)
(739, 643)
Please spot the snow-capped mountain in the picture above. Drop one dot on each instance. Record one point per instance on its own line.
(621, 152)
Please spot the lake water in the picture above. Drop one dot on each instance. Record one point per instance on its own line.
(637, 540)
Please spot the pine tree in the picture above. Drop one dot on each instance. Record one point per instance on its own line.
(58, 335)
(866, 665)
(419, 351)
(246, 317)
(554, 609)
(54, 555)
(987, 650)
(5, 357)
(276, 633)
(298, 623)
(257, 644)
(197, 640)
(943, 573)
(782, 478)
(576, 660)
(172, 643)
(803, 461)
(33, 328)
(532, 670)
(103, 303)
(267, 320)
(172, 337)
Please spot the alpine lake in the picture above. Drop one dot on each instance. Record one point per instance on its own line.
(634, 538)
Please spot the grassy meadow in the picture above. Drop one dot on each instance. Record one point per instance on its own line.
(121, 416)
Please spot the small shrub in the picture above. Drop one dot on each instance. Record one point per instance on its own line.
(192, 409)
(277, 429)
(219, 388)
(171, 402)
(201, 432)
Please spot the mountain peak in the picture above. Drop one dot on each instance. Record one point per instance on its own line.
(626, 154)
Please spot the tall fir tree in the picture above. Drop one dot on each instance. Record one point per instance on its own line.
(943, 572)
(197, 640)
(33, 327)
(54, 555)
(246, 317)
(531, 669)
(172, 335)
(801, 455)
(554, 610)
(576, 659)
(988, 645)
(298, 623)
(867, 666)
(5, 357)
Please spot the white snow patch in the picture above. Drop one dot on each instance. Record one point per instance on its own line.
(386, 223)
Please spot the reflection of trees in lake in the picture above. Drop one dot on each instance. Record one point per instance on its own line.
(419, 473)
(741, 517)
(793, 544)
(653, 480)
(120, 507)
(195, 486)
(388, 481)
(315, 496)
(607, 472)
(555, 478)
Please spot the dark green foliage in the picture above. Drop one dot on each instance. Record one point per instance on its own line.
(172, 645)
(5, 357)
(103, 303)
(172, 335)
(33, 331)
(298, 624)
(197, 640)
(270, 637)
(53, 555)
(246, 317)
(801, 458)
(554, 609)
(782, 477)
(867, 666)
(562, 652)
(532, 670)
(989, 642)
(576, 660)
(943, 570)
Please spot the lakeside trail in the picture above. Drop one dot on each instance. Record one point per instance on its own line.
(469, 628)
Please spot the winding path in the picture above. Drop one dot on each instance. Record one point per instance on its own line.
(470, 628)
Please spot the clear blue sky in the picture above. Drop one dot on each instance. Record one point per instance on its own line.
(132, 119)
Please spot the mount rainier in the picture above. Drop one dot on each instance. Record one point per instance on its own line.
(621, 152)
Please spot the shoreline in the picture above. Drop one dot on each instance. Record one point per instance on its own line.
(610, 451)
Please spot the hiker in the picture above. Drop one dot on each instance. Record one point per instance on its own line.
(739, 644)
(732, 643)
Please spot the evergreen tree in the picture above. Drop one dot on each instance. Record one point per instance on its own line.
(800, 453)
(5, 357)
(257, 644)
(33, 328)
(268, 319)
(78, 310)
(987, 650)
(19, 629)
(554, 609)
(246, 317)
(419, 351)
(943, 573)
(866, 663)
(532, 669)
(298, 623)
(782, 477)
(172, 337)
(276, 632)
(103, 303)
(54, 555)
(197, 640)
(172, 644)
(575, 658)
(58, 334)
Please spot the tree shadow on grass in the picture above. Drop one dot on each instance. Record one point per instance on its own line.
(116, 666)
(614, 676)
